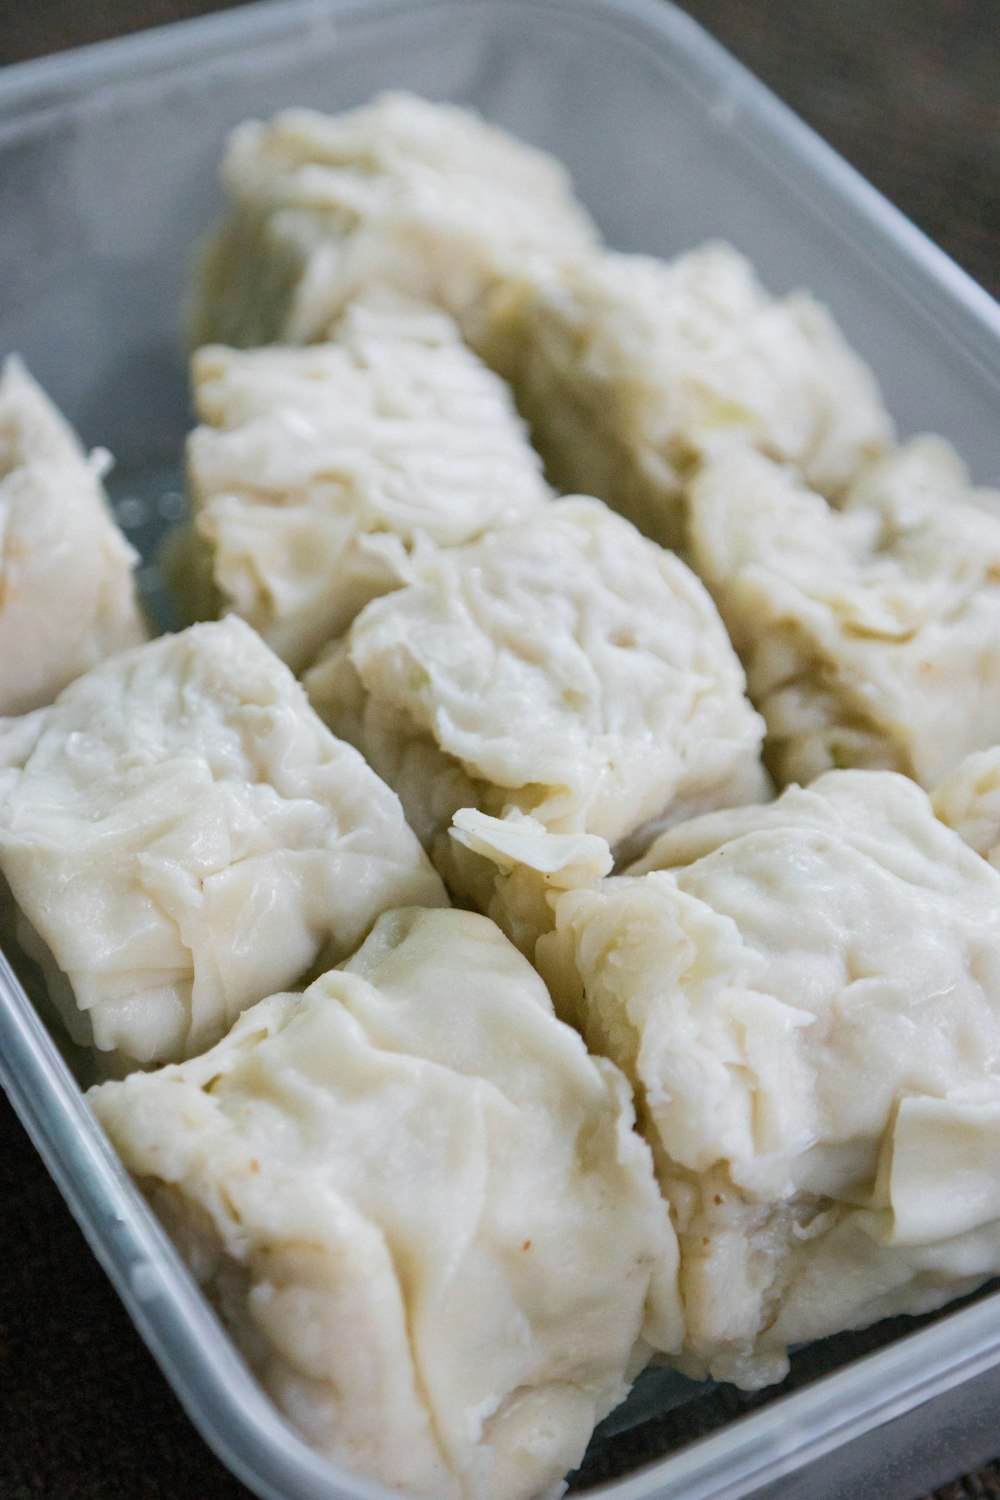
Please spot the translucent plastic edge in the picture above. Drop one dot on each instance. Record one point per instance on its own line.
(836, 192)
(939, 290)
(799, 1429)
(171, 1316)
(45, 82)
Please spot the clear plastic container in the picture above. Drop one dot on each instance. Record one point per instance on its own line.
(107, 175)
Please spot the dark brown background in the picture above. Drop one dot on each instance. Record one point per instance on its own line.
(909, 91)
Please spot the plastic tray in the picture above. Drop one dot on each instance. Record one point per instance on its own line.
(107, 176)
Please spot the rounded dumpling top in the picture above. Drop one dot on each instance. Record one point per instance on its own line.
(868, 631)
(67, 593)
(426, 198)
(183, 835)
(570, 668)
(798, 991)
(422, 1208)
(315, 469)
(633, 370)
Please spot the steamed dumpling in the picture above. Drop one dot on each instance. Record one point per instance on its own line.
(426, 198)
(317, 468)
(870, 634)
(421, 1208)
(565, 669)
(67, 596)
(968, 800)
(630, 370)
(806, 997)
(183, 836)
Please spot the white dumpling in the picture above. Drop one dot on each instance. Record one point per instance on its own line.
(968, 800)
(870, 634)
(631, 369)
(426, 198)
(806, 998)
(67, 596)
(421, 1208)
(316, 468)
(183, 836)
(565, 668)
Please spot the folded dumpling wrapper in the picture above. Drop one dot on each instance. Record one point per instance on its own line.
(316, 468)
(67, 593)
(565, 669)
(426, 198)
(631, 370)
(968, 800)
(870, 633)
(806, 998)
(421, 1208)
(183, 836)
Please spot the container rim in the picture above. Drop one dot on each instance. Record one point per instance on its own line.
(837, 192)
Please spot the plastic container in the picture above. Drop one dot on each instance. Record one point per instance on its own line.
(107, 176)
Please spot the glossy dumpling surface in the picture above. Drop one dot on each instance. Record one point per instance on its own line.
(421, 1207)
(426, 198)
(565, 668)
(870, 633)
(805, 996)
(67, 594)
(632, 370)
(316, 469)
(182, 836)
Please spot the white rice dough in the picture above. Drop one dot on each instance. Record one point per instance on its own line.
(182, 836)
(421, 1208)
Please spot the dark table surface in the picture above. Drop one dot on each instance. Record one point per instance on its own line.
(909, 92)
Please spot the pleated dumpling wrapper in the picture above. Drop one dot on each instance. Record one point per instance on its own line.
(426, 198)
(421, 1208)
(183, 836)
(630, 370)
(968, 800)
(316, 468)
(67, 595)
(870, 634)
(563, 669)
(806, 998)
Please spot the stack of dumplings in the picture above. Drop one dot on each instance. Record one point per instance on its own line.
(533, 920)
